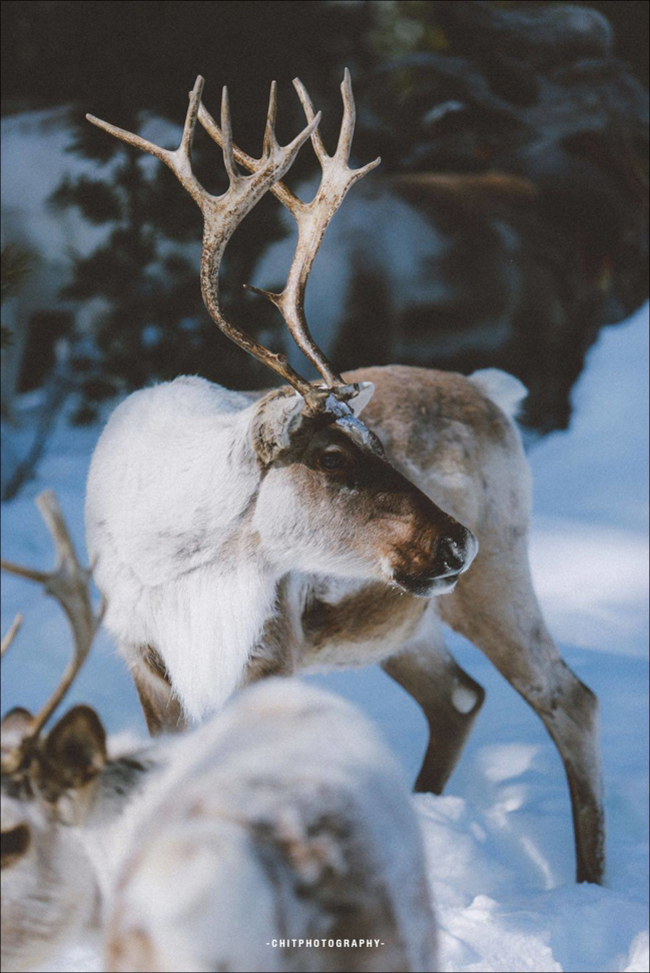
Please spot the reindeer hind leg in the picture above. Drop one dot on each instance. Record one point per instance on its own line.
(450, 700)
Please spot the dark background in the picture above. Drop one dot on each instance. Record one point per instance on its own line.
(552, 102)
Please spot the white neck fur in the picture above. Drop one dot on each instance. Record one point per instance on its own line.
(169, 487)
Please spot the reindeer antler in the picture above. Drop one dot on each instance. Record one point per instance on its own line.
(11, 633)
(69, 583)
(312, 218)
(222, 214)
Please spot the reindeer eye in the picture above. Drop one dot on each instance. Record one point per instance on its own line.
(14, 844)
(332, 458)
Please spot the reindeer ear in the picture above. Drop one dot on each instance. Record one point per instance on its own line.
(75, 749)
(15, 843)
(277, 419)
(15, 724)
(361, 400)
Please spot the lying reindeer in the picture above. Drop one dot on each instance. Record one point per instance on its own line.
(51, 875)
(239, 535)
(283, 819)
(286, 822)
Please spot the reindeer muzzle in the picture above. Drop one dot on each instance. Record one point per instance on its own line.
(453, 556)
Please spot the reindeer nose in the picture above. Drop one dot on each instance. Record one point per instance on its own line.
(456, 551)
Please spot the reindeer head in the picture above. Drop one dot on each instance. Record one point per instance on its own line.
(329, 500)
(48, 884)
(49, 888)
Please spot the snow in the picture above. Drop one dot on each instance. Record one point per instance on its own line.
(499, 843)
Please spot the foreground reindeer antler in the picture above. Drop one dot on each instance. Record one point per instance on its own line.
(69, 583)
(222, 215)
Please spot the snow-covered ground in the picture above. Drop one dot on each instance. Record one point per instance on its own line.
(499, 842)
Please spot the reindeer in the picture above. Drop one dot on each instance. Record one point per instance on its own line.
(282, 837)
(239, 535)
(52, 869)
(286, 807)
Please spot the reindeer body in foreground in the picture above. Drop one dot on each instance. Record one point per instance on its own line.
(286, 808)
(284, 818)
(239, 536)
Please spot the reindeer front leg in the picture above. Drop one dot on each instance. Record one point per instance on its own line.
(449, 697)
(162, 710)
(494, 606)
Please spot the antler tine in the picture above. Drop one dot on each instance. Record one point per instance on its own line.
(282, 192)
(226, 127)
(271, 115)
(69, 583)
(312, 219)
(222, 214)
(308, 108)
(11, 633)
(347, 131)
(179, 161)
(349, 118)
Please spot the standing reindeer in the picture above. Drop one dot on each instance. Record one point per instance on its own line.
(238, 536)
(286, 807)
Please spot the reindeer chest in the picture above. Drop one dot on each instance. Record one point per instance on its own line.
(321, 625)
(362, 627)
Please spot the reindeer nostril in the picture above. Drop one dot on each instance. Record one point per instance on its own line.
(452, 553)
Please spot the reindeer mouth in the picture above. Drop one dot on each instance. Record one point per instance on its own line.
(425, 585)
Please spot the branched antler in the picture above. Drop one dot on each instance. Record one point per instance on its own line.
(312, 219)
(69, 583)
(222, 214)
